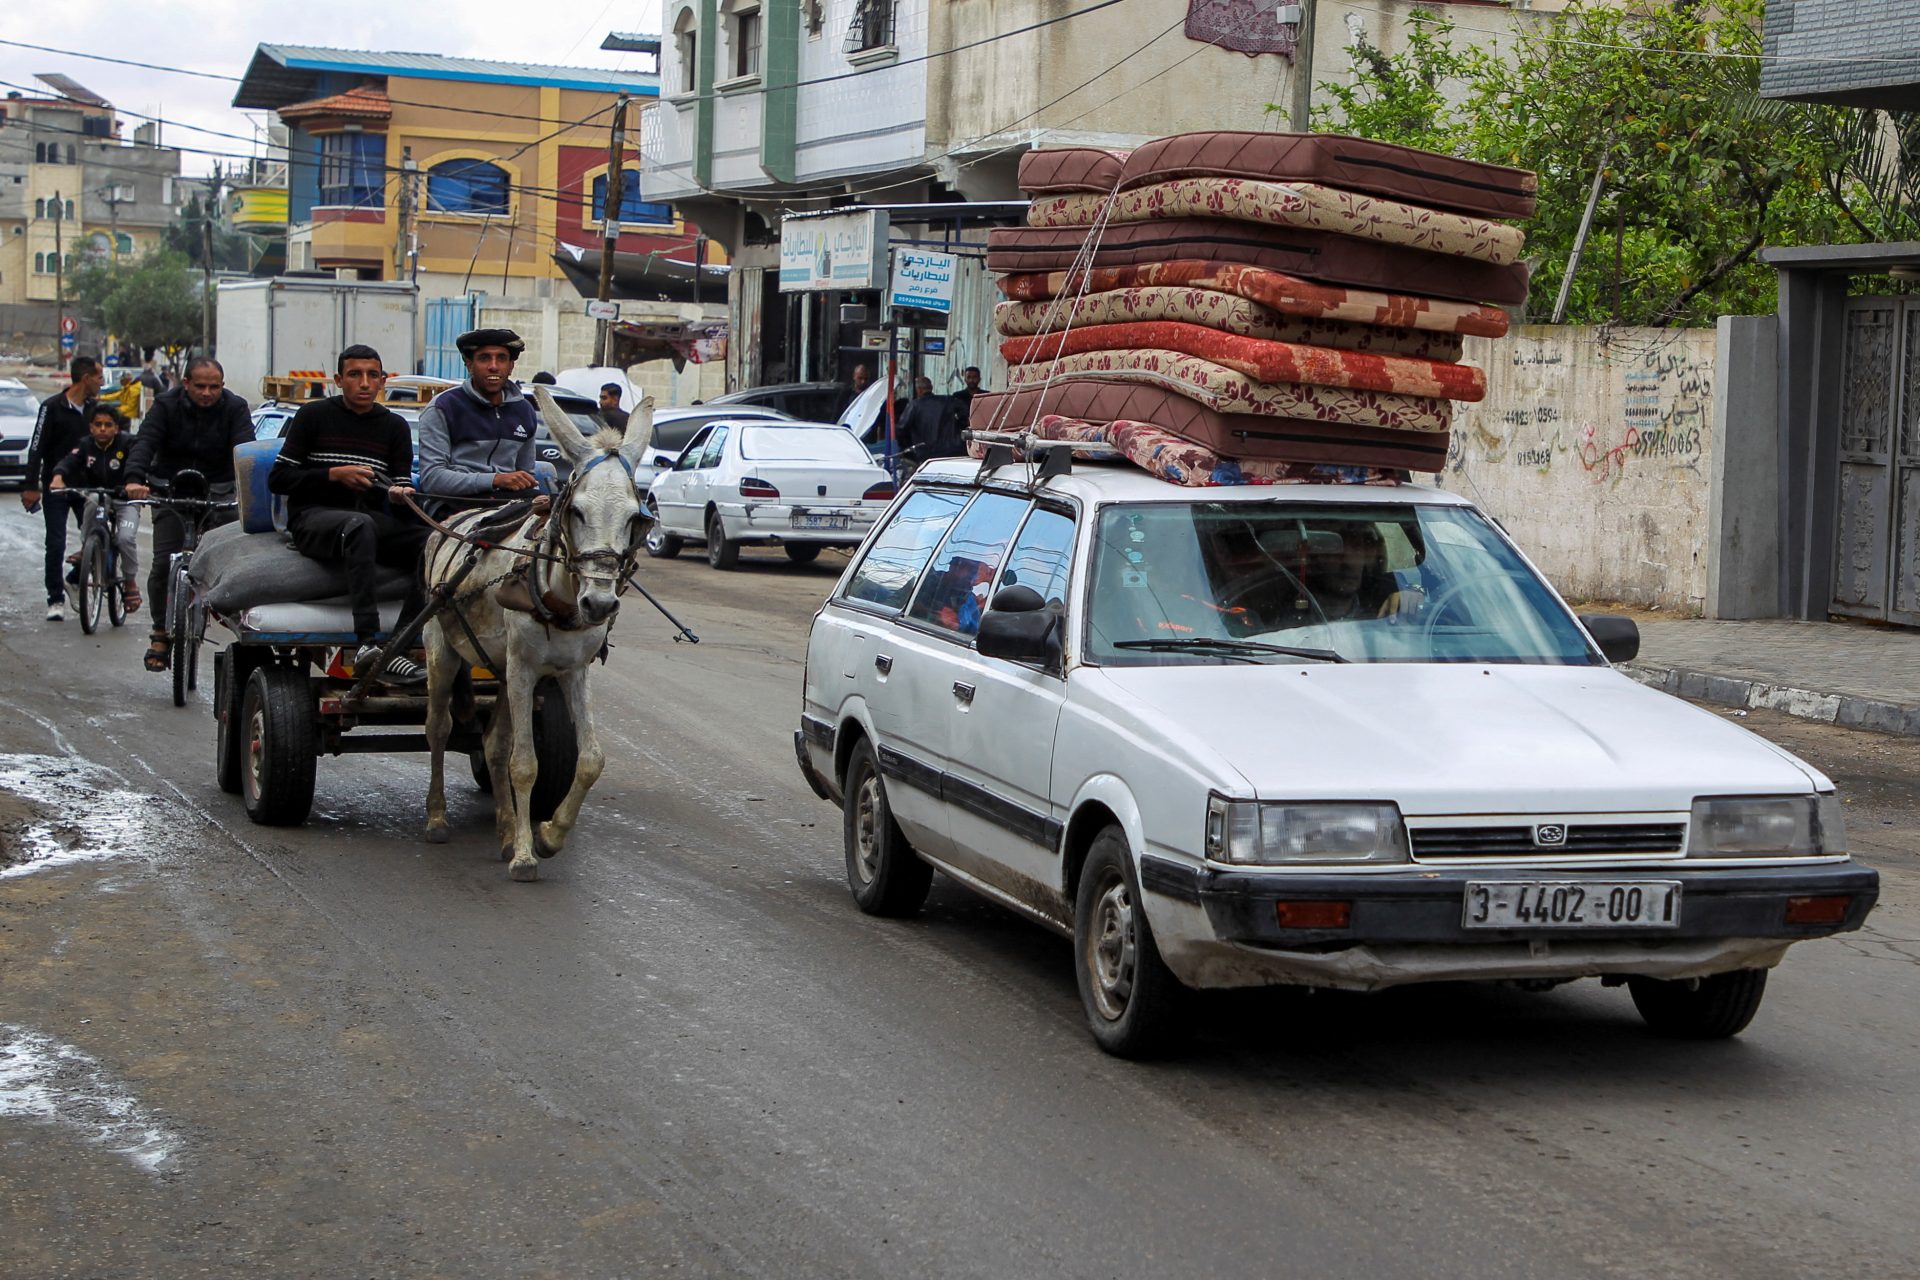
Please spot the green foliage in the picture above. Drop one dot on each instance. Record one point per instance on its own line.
(156, 303)
(1699, 172)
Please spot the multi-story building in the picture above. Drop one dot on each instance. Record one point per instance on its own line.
(70, 185)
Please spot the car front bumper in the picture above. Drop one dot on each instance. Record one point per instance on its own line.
(1222, 926)
(775, 522)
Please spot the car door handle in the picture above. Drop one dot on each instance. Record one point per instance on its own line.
(964, 692)
(883, 663)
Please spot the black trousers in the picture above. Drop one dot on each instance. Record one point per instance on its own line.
(169, 536)
(360, 541)
(54, 505)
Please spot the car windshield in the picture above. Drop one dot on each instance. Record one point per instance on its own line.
(1213, 582)
(802, 444)
(18, 404)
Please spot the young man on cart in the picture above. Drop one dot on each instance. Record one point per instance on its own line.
(342, 459)
(477, 439)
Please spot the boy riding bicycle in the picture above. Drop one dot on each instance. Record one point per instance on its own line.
(99, 462)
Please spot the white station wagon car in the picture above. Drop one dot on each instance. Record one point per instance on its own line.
(798, 485)
(1329, 736)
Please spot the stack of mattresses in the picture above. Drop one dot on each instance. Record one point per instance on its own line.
(1254, 307)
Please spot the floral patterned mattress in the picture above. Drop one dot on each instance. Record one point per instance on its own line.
(1180, 461)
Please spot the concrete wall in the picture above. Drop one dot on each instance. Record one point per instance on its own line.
(1596, 451)
(560, 336)
(1743, 518)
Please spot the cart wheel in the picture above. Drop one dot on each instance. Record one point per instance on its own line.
(228, 721)
(554, 746)
(482, 778)
(179, 591)
(280, 746)
(91, 587)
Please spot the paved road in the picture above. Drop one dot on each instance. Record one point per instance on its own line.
(339, 1051)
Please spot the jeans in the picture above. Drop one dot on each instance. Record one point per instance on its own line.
(54, 506)
(361, 540)
(126, 536)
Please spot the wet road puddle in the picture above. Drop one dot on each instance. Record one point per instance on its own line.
(46, 1080)
(58, 810)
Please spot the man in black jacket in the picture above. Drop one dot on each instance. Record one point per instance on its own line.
(61, 426)
(343, 457)
(193, 426)
(929, 428)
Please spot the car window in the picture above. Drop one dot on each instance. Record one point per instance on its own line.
(1041, 556)
(715, 447)
(673, 437)
(1372, 582)
(901, 549)
(802, 444)
(953, 594)
(691, 457)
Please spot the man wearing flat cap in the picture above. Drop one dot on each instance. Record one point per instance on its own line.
(476, 439)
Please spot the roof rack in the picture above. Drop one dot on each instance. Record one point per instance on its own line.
(1054, 457)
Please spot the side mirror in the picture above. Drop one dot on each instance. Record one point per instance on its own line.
(1618, 637)
(662, 460)
(1020, 627)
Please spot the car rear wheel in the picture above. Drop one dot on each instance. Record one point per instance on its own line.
(1132, 1000)
(1699, 1008)
(721, 553)
(885, 874)
(803, 552)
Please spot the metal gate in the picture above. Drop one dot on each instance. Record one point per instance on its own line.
(447, 319)
(1876, 554)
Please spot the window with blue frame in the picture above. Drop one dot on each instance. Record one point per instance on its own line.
(632, 207)
(467, 186)
(351, 167)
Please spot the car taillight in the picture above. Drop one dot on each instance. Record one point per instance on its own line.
(754, 487)
(882, 492)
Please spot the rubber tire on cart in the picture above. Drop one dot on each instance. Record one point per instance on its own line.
(482, 776)
(1134, 1004)
(281, 743)
(886, 876)
(554, 746)
(91, 588)
(1699, 1009)
(661, 545)
(721, 554)
(803, 552)
(228, 735)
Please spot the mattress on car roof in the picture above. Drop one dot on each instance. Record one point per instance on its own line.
(1228, 391)
(1070, 169)
(1316, 255)
(1224, 312)
(1180, 461)
(1257, 358)
(1231, 435)
(1357, 164)
(1287, 294)
(1309, 205)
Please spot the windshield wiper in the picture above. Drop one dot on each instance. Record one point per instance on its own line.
(1235, 648)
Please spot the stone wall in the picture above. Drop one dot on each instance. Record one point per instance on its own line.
(1595, 450)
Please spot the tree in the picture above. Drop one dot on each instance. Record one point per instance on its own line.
(1663, 101)
(157, 304)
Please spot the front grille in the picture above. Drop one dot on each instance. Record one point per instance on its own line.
(1494, 842)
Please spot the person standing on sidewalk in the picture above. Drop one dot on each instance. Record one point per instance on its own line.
(58, 431)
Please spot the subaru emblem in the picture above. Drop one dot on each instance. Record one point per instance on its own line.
(1549, 835)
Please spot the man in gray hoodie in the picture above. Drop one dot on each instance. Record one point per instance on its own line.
(477, 439)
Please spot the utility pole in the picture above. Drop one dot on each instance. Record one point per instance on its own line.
(111, 194)
(59, 274)
(402, 245)
(1300, 118)
(206, 262)
(610, 223)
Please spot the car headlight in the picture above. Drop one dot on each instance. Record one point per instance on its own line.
(1766, 826)
(1259, 833)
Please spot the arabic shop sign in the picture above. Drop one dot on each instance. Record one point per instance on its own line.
(845, 251)
(923, 279)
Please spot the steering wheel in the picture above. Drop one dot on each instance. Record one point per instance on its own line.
(1436, 608)
(1265, 579)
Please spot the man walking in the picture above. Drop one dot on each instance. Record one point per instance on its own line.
(476, 439)
(58, 431)
(929, 428)
(610, 411)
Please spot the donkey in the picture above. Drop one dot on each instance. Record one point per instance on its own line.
(540, 602)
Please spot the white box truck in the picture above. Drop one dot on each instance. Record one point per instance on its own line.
(282, 325)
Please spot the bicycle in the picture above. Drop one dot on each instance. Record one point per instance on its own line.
(96, 582)
(186, 622)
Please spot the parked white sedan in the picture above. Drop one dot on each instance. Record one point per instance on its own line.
(798, 485)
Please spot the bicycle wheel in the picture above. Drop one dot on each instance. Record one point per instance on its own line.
(115, 590)
(196, 632)
(90, 587)
(179, 594)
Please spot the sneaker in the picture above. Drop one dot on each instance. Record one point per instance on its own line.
(399, 669)
(56, 612)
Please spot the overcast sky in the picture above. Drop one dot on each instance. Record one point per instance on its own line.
(219, 36)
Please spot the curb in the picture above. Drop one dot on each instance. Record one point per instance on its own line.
(1845, 709)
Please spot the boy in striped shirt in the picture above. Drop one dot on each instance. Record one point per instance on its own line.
(343, 457)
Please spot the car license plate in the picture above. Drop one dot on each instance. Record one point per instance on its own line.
(813, 520)
(1570, 904)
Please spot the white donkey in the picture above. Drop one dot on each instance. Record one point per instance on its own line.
(540, 605)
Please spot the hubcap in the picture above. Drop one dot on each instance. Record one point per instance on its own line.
(1112, 949)
(256, 753)
(866, 830)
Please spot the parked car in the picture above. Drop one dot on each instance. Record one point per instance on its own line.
(673, 428)
(807, 401)
(585, 413)
(19, 408)
(1338, 737)
(756, 481)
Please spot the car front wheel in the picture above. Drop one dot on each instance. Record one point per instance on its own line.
(885, 874)
(1132, 1000)
(1699, 1008)
(661, 545)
